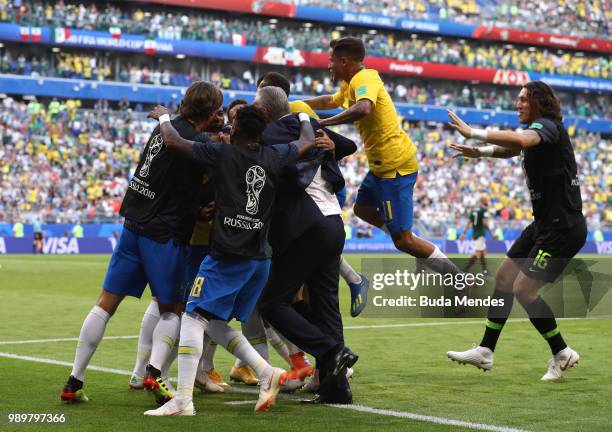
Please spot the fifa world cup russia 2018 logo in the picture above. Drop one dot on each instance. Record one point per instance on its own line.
(255, 180)
(156, 145)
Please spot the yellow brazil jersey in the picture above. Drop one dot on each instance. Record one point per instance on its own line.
(301, 106)
(387, 146)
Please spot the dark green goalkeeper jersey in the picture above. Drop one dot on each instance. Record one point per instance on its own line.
(477, 217)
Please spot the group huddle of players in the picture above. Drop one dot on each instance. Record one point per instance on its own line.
(198, 218)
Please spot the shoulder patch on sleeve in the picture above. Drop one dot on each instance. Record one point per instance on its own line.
(361, 90)
(535, 126)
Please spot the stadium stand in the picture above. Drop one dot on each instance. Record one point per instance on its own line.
(567, 17)
(144, 70)
(68, 164)
(66, 161)
(401, 46)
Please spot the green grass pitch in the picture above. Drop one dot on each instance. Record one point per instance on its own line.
(402, 370)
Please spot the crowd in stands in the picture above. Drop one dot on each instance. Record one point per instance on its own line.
(567, 17)
(90, 67)
(304, 81)
(64, 163)
(193, 24)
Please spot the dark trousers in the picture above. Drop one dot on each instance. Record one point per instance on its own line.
(314, 259)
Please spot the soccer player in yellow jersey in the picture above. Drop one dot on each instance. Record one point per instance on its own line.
(385, 196)
(357, 282)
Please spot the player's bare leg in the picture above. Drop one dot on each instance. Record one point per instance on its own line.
(369, 215)
(91, 334)
(406, 241)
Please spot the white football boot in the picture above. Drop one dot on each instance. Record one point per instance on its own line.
(269, 387)
(559, 363)
(481, 357)
(172, 408)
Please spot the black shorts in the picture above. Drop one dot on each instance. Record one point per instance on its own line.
(544, 254)
(38, 235)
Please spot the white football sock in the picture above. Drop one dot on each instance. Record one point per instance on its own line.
(145, 338)
(348, 273)
(89, 338)
(189, 353)
(277, 343)
(237, 344)
(440, 263)
(166, 332)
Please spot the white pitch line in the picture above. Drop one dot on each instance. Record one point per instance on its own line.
(450, 321)
(63, 363)
(72, 339)
(358, 408)
(428, 419)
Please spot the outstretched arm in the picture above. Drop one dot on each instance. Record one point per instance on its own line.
(324, 102)
(362, 108)
(493, 151)
(171, 137)
(507, 139)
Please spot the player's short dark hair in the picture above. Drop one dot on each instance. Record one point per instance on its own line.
(350, 47)
(201, 100)
(543, 99)
(250, 123)
(236, 102)
(276, 79)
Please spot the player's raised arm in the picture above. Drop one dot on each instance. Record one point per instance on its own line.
(323, 102)
(506, 139)
(171, 137)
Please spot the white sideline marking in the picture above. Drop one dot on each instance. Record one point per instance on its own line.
(359, 408)
(429, 419)
(242, 402)
(450, 321)
(63, 363)
(72, 339)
